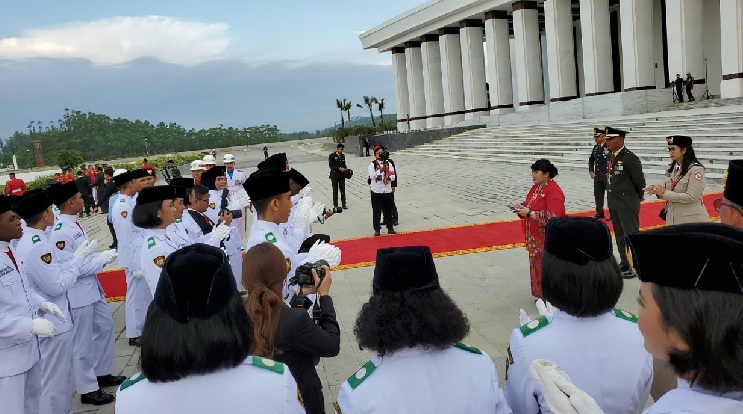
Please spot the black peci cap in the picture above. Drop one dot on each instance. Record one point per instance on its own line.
(681, 141)
(578, 239)
(266, 183)
(155, 194)
(122, 178)
(274, 162)
(732, 183)
(298, 178)
(710, 256)
(4, 204)
(405, 269)
(139, 173)
(209, 177)
(183, 182)
(62, 192)
(32, 203)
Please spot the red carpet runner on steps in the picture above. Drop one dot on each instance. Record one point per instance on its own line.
(447, 241)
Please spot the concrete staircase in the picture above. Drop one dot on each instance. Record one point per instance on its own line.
(717, 134)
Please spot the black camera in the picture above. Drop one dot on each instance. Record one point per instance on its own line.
(235, 213)
(333, 210)
(303, 275)
(385, 155)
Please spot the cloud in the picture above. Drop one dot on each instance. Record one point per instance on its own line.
(119, 40)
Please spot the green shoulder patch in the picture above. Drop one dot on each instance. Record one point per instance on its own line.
(131, 381)
(150, 242)
(361, 375)
(35, 239)
(534, 326)
(468, 348)
(270, 237)
(627, 316)
(121, 200)
(268, 364)
(57, 227)
(179, 220)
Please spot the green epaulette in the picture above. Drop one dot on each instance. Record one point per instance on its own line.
(268, 364)
(57, 227)
(121, 200)
(270, 237)
(35, 239)
(468, 348)
(534, 326)
(150, 242)
(361, 375)
(627, 316)
(178, 220)
(131, 381)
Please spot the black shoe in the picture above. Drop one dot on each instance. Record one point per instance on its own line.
(628, 274)
(135, 341)
(113, 246)
(598, 216)
(98, 397)
(377, 233)
(110, 380)
(396, 223)
(391, 231)
(345, 207)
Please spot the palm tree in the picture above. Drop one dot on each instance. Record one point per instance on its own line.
(380, 106)
(347, 107)
(369, 101)
(341, 106)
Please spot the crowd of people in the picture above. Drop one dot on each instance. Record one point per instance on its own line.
(220, 330)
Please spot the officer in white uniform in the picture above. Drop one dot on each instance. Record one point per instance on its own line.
(178, 230)
(41, 264)
(20, 369)
(417, 374)
(230, 381)
(93, 329)
(138, 295)
(599, 347)
(295, 230)
(209, 161)
(235, 180)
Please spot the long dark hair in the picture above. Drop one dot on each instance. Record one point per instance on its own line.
(690, 158)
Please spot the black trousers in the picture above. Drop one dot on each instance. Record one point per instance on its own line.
(88, 203)
(339, 184)
(113, 233)
(366, 147)
(625, 221)
(393, 211)
(688, 94)
(680, 94)
(381, 202)
(599, 190)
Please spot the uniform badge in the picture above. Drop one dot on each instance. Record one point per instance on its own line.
(46, 258)
(60, 244)
(288, 265)
(270, 237)
(212, 206)
(159, 261)
(698, 176)
(58, 226)
(509, 360)
(124, 213)
(150, 242)
(35, 239)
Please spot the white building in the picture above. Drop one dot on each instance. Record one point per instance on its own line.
(513, 61)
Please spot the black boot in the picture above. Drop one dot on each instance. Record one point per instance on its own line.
(98, 397)
(110, 380)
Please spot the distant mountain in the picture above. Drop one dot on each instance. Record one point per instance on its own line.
(364, 120)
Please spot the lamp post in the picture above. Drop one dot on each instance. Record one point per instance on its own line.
(146, 148)
(28, 154)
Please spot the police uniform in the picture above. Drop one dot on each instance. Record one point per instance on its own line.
(597, 165)
(684, 192)
(626, 183)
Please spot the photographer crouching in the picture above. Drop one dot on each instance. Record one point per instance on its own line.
(381, 175)
(289, 334)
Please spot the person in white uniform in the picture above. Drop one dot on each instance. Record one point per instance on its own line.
(41, 264)
(599, 347)
(298, 233)
(197, 310)
(197, 168)
(178, 229)
(138, 296)
(235, 180)
(422, 370)
(93, 329)
(689, 316)
(20, 324)
(210, 161)
(199, 226)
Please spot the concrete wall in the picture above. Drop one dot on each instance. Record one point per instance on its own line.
(403, 140)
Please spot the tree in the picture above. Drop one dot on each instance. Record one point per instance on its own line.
(341, 106)
(369, 101)
(69, 158)
(380, 106)
(347, 107)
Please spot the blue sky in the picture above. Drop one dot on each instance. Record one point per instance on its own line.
(198, 63)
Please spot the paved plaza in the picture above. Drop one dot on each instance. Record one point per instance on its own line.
(490, 287)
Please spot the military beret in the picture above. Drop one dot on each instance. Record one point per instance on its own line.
(122, 178)
(62, 192)
(613, 132)
(139, 173)
(578, 239)
(298, 178)
(4, 204)
(150, 172)
(276, 161)
(155, 194)
(404, 269)
(732, 183)
(32, 203)
(681, 141)
(266, 183)
(196, 282)
(711, 256)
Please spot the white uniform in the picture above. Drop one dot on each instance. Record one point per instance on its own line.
(195, 234)
(235, 180)
(686, 400)
(290, 233)
(178, 231)
(138, 296)
(93, 329)
(457, 380)
(233, 243)
(156, 248)
(604, 356)
(20, 370)
(265, 232)
(40, 263)
(258, 385)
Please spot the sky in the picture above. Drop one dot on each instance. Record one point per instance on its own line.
(198, 63)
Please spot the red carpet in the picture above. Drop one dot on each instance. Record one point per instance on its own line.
(447, 241)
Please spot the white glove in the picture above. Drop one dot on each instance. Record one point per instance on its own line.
(49, 307)
(240, 200)
(42, 327)
(523, 317)
(544, 308)
(317, 211)
(303, 215)
(108, 256)
(220, 232)
(138, 274)
(324, 251)
(561, 395)
(85, 250)
(306, 191)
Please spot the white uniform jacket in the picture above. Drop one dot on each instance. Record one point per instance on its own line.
(156, 248)
(66, 236)
(694, 400)
(215, 201)
(128, 235)
(604, 356)
(258, 385)
(195, 234)
(235, 181)
(289, 232)
(458, 380)
(19, 304)
(265, 232)
(178, 232)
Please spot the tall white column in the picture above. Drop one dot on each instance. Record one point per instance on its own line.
(401, 88)
(731, 26)
(596, 36)
(432, 86)
(684, 33)
(416, 94)
(451, 75)
(499, 61)
(473, 68)
(637, 44)
(558, 25)
(528, 54)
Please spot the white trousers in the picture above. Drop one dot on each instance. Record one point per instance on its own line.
(57, 384)
(92, 345)
(21, 393)
(138, 298)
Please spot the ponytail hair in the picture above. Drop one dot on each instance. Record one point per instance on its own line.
(544, 165)
(264, 272)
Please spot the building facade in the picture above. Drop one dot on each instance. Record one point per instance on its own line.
(512, 61)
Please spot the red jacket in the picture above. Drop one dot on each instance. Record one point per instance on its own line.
(546, 204)
(15, 186)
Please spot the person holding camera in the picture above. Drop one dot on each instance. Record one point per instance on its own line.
(381, 175)
(287, 334)
(338, 169)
